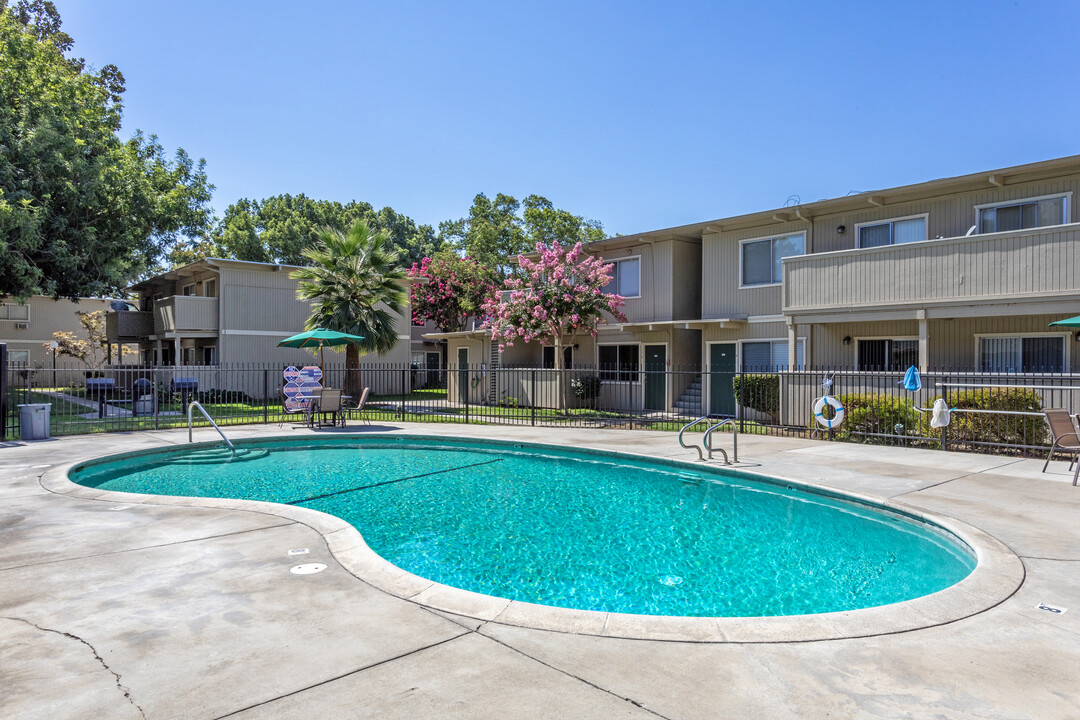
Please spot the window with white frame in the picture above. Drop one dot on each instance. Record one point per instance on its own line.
(210, 288)
(892, 232)
(625, 277)
(1028, 354)
(11, 311)
(879, 354)
(188, 290)
(19, 357)
(762, 259)
(1023, 214)
(769, 355)
(618, 363)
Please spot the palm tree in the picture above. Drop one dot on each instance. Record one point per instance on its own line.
(353, 281)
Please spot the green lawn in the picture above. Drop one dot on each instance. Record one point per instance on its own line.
(424, 406)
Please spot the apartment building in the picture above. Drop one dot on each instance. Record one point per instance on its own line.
(660, 279)
(228, 314)
(27, 328)
(959, 273)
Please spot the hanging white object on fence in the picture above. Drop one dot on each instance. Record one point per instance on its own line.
(941, 417)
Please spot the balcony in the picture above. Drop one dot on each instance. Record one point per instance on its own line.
(1031, 270)
(185, 313)
(128, 326)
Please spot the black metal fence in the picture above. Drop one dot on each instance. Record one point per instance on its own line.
(990, 412)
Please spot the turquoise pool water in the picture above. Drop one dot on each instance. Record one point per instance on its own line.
(594, 531)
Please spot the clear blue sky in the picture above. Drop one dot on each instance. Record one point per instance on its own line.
(642, 115)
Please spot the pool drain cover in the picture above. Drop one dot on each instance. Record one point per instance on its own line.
(299, 551)
(307, 569)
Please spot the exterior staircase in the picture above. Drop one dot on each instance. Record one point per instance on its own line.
(689, 403)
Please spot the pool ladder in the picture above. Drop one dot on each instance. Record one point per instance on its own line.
(707, 440)
(195, 404)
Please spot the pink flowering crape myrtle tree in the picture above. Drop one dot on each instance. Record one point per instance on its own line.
(560, 296)
(456, 290)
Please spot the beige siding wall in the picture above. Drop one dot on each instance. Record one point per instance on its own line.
(721, 295)
(46, 317)
(259, 308)
(645, 306)
(949, 215)
(684, 283)
(670, 285)
(1032, 263)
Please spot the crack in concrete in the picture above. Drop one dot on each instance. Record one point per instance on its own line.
(97, 656)
(149, 547)
(624, 698)
(343, 675)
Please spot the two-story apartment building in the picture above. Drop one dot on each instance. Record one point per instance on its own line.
(960, 273)
(27, 329)
(657, 274)
(227, 313)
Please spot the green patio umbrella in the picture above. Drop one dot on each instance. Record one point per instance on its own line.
(320, 338)
(1068, 322)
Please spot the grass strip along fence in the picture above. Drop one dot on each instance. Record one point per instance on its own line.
(998, 413)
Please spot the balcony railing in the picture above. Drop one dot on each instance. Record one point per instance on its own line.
(1029, 264)
(122, 326)
(181, 313)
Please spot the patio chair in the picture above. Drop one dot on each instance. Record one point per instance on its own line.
(1066, 439)
(360, 404)
(329, 403)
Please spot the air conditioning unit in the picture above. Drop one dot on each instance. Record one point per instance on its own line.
(21, 326)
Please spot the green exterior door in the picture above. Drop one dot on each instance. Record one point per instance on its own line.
(721, 376)
(463, 374)
(655, 377)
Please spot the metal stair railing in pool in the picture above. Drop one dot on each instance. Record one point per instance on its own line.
(707, 441)
(700, 455)
(195, 404)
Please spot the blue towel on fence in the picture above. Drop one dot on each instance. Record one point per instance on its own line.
(912, 381)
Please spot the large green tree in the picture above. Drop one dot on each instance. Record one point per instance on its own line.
(82, 212)
(281, 228)
(496, 231)
(354, 282)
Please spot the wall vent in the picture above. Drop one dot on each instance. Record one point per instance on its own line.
(22, 326)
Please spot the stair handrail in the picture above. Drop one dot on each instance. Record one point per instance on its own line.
(195, 404)
(707, 440)
(686, 427)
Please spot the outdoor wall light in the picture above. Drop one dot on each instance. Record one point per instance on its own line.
(840, 229)
(1078, 336)
(847, 340)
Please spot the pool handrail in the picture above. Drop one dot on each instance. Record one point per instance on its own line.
(196, 404)
(707, 440)
(686, 427)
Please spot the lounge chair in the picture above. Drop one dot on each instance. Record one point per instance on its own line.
(329, 403)
(1066, 439)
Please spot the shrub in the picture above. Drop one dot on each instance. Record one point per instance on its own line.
(996, 428)
(870, 414)
(762, 393)
(586, 387)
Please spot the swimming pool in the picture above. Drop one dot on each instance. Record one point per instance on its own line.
(575, 529)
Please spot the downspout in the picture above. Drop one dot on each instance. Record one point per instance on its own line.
(792, 350)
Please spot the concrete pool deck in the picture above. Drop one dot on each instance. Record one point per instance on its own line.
(161, 610)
